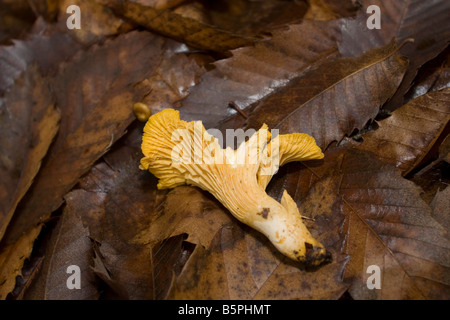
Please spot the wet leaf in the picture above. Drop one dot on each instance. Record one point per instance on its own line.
(99, 108)
(68, 247)
(104, 204)
(97, 22)
(252, 18)
(12, 258)
(180, 28)
(15, 59)
(29, 122)
(423, 21)
(16, 18)
(432, 76)
(406, 137)
(257, 71)
(386, 224)
(172, 79)
(335, 98)
(241, 263)
(440, 205)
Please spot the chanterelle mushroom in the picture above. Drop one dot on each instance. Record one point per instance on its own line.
(179, 152)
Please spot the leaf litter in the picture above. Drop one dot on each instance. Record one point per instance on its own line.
(306, 72)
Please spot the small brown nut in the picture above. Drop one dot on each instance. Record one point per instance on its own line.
(141, 111)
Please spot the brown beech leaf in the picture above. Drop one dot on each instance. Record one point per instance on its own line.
(46, 51)
(335, 98)
(12, 258)
(406, 137)
(387, 224)
(178, 27)
(29, 122)
(94, 93)
(48, 9)
(330, 9)
(97, 21)
(172, 79)
(432, 76)
(16, 18)
(423, 21)
(117, 201)
(68, 247)
(252, 18)
(141, 232)
(240, 264)
(440, 205)
(257, 71)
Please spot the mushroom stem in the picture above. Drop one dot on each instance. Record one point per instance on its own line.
(281, 222)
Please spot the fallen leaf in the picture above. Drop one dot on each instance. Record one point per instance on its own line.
(440, 205)
(12, 258)
(97, 22)
(240, 263)
(180, 28)
(69, 246)
(329, 9)
(16, 58)
(423, 21)
(406, 137)
(253, 18)
(257, 71)
(100, 270)
(93, 116)
(16, 18)
(335, 98)
(432, 76)
(387, 224)
(30, 122)
(172, 79)
(118, 201)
